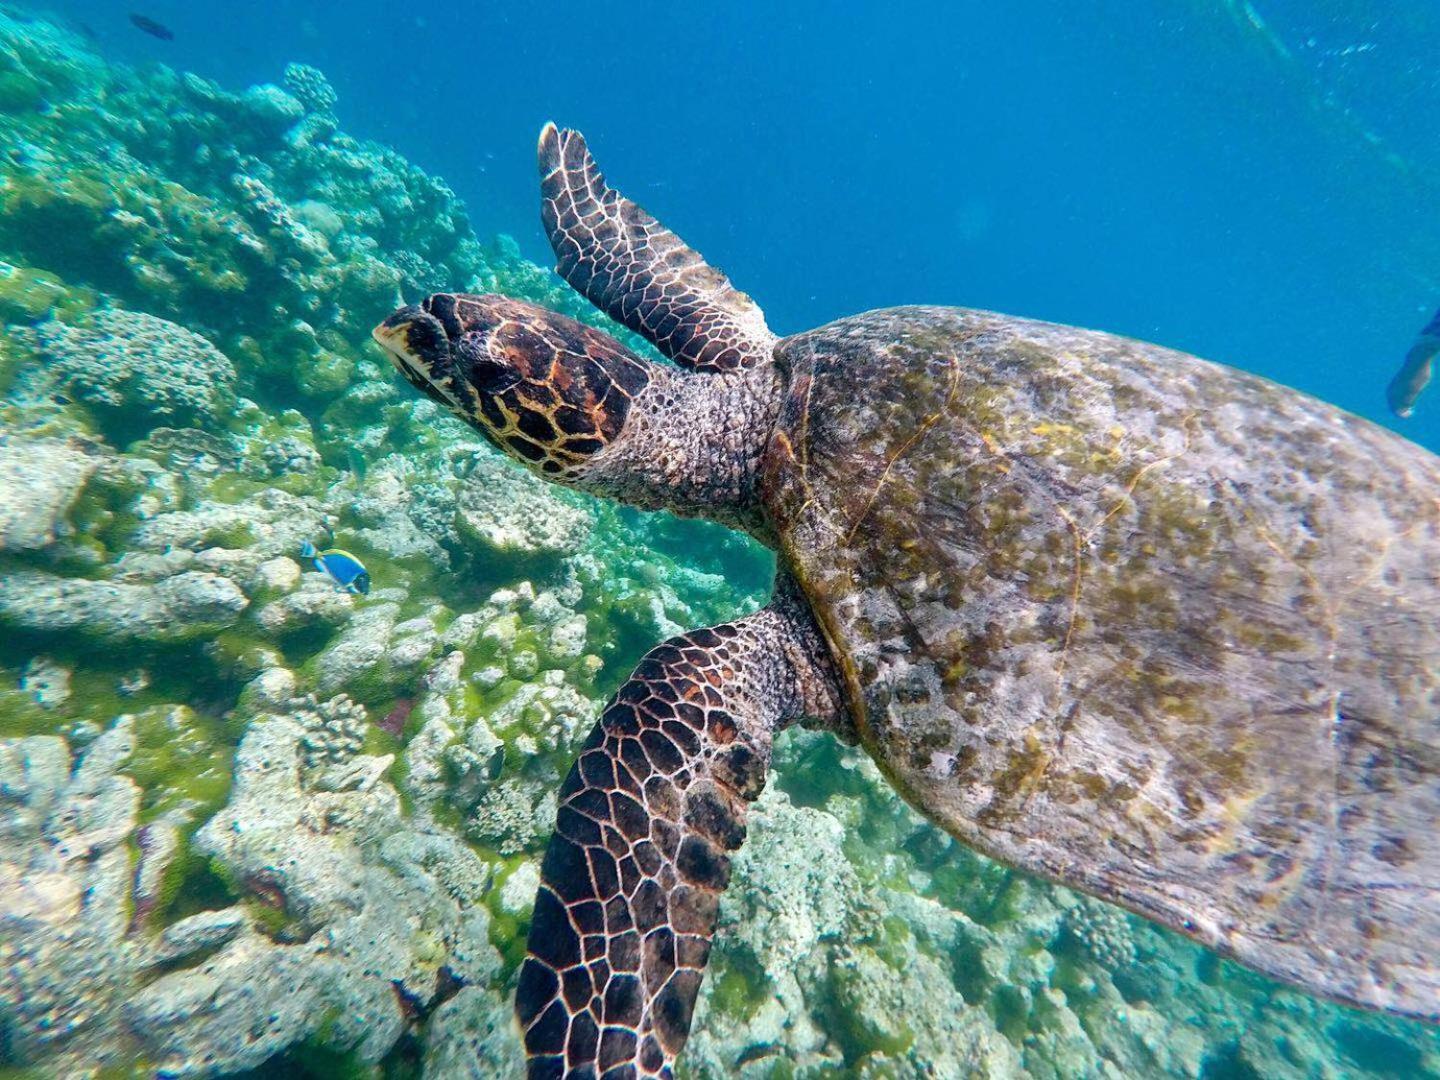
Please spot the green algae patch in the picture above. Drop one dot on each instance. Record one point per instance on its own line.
(325, 374)
(28, 294)
(739, 990)
(137, 1070)
(54, 219)
(182, 755)
(859, 1027)
(21, 715)
(94, 699)
(508, 930)
(192, 884)
(895, 943)
(316, 1058)
(274, 921)
(20, 91)
(182, 760)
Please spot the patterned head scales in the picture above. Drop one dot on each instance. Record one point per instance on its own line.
(542, 387)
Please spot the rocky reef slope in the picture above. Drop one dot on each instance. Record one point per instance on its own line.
(251, 822)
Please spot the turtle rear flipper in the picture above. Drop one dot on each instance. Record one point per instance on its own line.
(637, 271)
(631, 882)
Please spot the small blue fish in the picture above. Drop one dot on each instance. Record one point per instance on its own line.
(343, 568)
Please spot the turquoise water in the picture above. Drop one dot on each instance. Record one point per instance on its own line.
(252, 824)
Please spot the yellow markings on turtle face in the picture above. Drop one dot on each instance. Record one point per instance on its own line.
(392, 339)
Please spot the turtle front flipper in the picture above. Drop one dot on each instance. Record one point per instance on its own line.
(637, 271)
(631, 882)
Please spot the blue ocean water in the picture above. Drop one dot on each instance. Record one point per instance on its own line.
(189, 399)
(1252, 182)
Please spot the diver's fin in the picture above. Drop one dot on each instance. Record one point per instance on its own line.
(631, 883)
(637, 271)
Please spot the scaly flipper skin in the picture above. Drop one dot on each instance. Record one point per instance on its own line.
(637, 271)
(631, 883)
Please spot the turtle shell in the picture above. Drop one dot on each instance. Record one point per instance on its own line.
(1145, 625)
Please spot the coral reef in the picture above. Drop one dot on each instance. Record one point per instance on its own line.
(249, 821)
(1102, 933)
(135, 369)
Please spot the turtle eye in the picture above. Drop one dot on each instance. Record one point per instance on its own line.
(484, 372)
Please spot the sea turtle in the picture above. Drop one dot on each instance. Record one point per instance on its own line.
(1153, 628)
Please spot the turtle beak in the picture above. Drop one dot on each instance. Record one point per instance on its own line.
(390, 334)
(417, 345)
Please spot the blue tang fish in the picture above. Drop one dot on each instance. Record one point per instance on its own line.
(344, 569)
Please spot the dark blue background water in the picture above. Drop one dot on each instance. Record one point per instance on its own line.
(1257, 184)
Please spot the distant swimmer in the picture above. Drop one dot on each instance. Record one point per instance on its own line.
(150, 26)
(1406, 385)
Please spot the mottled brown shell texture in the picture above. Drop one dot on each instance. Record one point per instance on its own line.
(1142, 624)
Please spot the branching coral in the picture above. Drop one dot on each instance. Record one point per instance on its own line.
(333, 731)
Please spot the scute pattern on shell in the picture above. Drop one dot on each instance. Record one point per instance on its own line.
(1154, 628)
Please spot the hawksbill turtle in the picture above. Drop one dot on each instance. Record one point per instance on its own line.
(1147, 626)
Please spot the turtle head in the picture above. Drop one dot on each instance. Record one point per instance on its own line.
(544, 388)
(579, 408)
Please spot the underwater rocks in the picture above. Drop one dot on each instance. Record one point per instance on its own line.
(135, 370)
(377, 652)
(473, 1036)
(333, 734)
(66, 881)
(308, 602)
(40, 479)
(310, 88)
(507, 512)
(367, 920)
(237, 214)
(270, 523)
(46, 681)
(350, 920)
(813, 973)
(469, 505)
(187, 606)
(1103, 932)
(406, 511)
